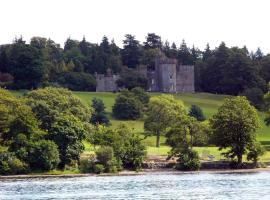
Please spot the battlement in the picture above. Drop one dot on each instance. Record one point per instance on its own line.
(160, 61)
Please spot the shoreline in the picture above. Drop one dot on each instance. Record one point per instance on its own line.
(134, 173)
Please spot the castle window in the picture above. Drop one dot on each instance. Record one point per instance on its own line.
(153, 81)
(170, 76)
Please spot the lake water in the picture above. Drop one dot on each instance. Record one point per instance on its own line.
(221, 186)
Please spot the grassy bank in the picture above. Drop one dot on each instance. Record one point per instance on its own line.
(208, 102)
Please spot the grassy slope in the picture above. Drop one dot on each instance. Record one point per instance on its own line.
(208, 102)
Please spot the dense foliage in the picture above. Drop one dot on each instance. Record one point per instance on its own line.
(130, 104)
(41, 131)
(127, 145)
(163, 112)
(234, 127)
(99, 114)
(42, 62)
(196, 112)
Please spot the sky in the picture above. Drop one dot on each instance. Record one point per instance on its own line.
(236, 22)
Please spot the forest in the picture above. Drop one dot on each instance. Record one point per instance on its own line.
(42, 62)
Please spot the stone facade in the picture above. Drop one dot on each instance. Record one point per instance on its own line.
(106, 82)
(168, 77)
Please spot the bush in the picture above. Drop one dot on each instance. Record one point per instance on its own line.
(127, 106)
(87, 166)
(99, 168)
(196, 112)
(77, 81)
(104, 155)
(142, 96)
(188, 160)
(255, 151)
(127, 146)
(44, 155)
(10, 164)
(99, 115)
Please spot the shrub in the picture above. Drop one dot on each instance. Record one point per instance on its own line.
(188, 160)
(10, 164)
(44, 155)
(99, 115)
(99, 168)
(255, 151)
(104, 155)
(196, 112)
(127, 146)
(141, 95)
(87, 166)
(127, 106)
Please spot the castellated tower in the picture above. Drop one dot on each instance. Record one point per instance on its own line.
(170, 77)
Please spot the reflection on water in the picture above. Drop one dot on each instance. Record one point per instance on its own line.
(151, 186)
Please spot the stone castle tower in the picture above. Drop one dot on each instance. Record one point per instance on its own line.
(168, 77)
(106, 82)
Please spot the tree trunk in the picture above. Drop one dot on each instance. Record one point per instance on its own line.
(158, 139)
(239, 159)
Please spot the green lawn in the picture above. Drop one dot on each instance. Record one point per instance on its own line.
(208, 102)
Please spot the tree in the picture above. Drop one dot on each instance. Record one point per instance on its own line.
(163, 112)
(48, 103)
(141, 95)
(127, 145)
(130, 79)
(196, 112)
(43, 155)
(68, 133)
(77, 81)
(255, 96)
(127, 106)
(153, 41)
(99, 115)
(234, 127)
(131, 52)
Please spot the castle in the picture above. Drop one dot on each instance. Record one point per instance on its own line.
(168, 77)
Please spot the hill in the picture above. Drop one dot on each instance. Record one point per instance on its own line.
(208, 102)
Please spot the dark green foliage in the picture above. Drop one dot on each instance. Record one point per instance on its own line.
(104, 155)
(99, 168)
(228, 71)
(68, 133)
(255, 96)
(127, 146)
(48, 103)
(42, 62)
(131, 52)
(9, 164)
(188, 160)
(196, 112)
(141, 95)
(256, 150)
(99, 115)
(77, 81)
(43, 155)
(127, 106)
(234, 127)
(130, 78)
